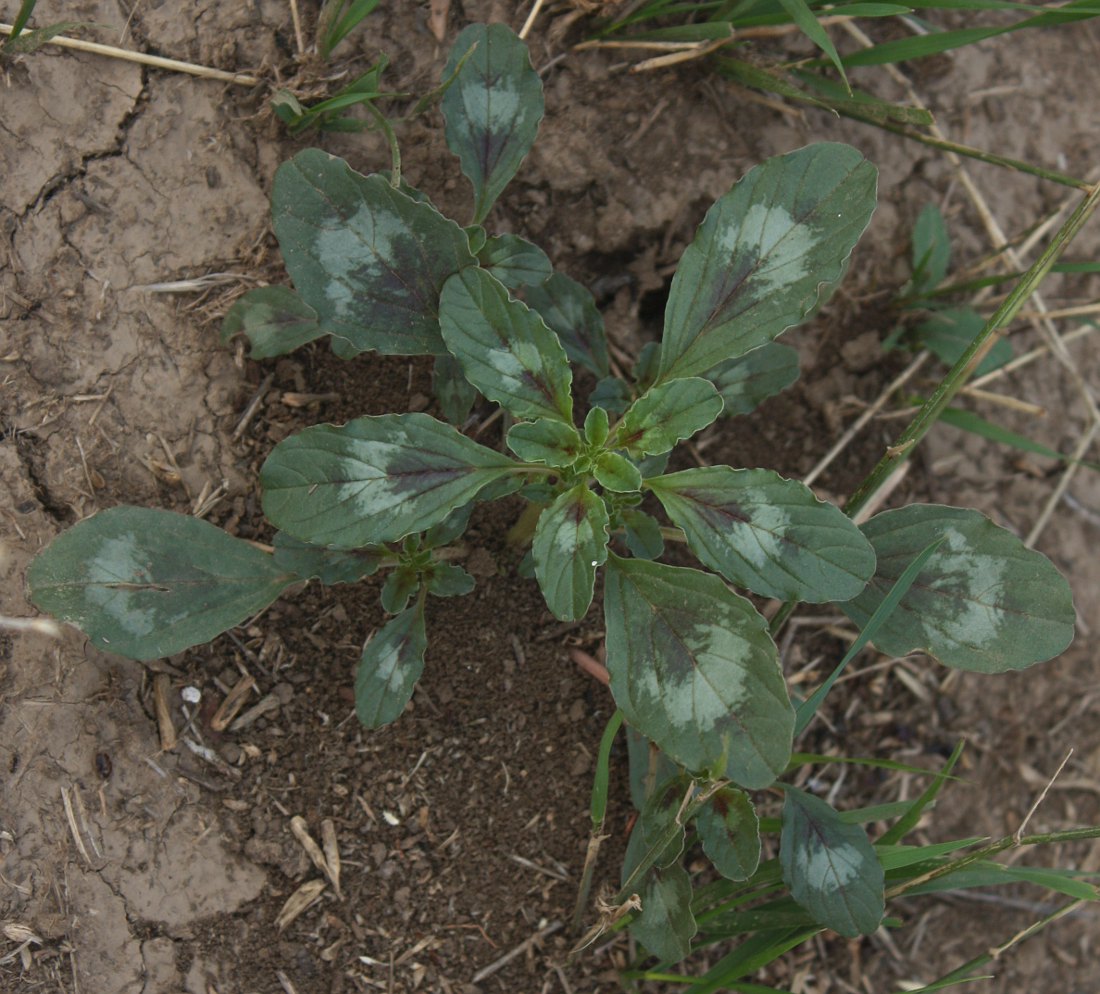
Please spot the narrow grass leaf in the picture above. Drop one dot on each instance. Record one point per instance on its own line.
(982, 602)
(274, 319)
(948, 333)
(830, 866)
(505, 348)
(931, 249)
(694, 670)
(492, 110)
(801, 14)
(571, 312)
(766, 533)
(765, 255)
(389, 667)
(375, 479)
(369, 259)
(146, 583)
(570, 543)
(910, 819)
(602, 775)
(977, 425)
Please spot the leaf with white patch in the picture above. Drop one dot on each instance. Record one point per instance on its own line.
(492, 109)
(765, 255)
(766, 533)
(747, 381)
(983, 600)
(391, 663)
(552, 442)
(571, 312)
(505, 348)
(665, 926)
(515, 261)
(274, 319)
(730, 833)
(667, 414)
(373, 480)
(329, 566)
(145, 583)
(570, 542)
(693, 668)
(369, 259)
(830, 866)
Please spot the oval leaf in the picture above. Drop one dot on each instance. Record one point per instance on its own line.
(767, 533)
(830, 866)
(983, 601)
(515, 261)
(145, 583)
(367, 258)
(745, 382)
(571, 312)
(492, 108)
(546, 441)
(391, 663)
(505, 348)
(693, 668)
(570, 542)
(665, 925)
(730, 832)
(764, 255)
(616, 473)
(667, 414)
(274, 319)
(375, 479)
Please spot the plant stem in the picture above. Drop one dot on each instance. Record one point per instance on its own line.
(395, 149)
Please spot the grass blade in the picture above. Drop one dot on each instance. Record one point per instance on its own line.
(977, 425)
(804, 18)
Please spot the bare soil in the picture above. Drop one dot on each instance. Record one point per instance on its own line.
(462, 827)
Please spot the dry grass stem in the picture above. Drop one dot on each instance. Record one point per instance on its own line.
(530, 22)
(36, 626)
(1019, 833)
(517, 951)
(166, 730)
(1005, 400)
(302, 899)
(232, 703)
(173, 65)
(1070, 471)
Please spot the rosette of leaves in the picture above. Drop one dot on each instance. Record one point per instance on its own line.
(692, 665)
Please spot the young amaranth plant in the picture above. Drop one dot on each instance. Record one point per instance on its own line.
(692, 666)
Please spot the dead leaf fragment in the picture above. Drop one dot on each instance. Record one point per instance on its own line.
(303, 898)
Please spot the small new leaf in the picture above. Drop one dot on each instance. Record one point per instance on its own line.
(767, 533)
(373, 480)
(505, 348)
(492, 109)
(400, 585)
(730, 832)
(570, 543)
(693, 668)
(667, 414)
(552, 442)
(764, 256)
(449, 580)
(830, 866)
(145, 583)
(369, 259)
(983, 600)
(391, 663)
(274, 319)
(616, 473)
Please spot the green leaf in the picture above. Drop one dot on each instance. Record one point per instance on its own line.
(274, 319)
(931, 249)
(400, 585)
(492, 110)
(455, 393)
(665, 926)
(667, 414)
(144, 583)
(570, 542)
(449, 580)
(616, 473)
(391, 663)
(983, 601)
(730, 832)
(369, 259)
(552, 442)
(801, 14)
(764, 256)
(949, 333)
(643, 534)
(515, 261)
(375, 479)
(977, 425)
(658, 833)
(505, 348)
(745, 382)
(767, 533)
(571, 312)
(693, 668)
(612, 395)
(830, 866)
(597, 427)
(329, 566)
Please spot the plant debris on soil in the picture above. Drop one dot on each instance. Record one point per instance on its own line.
(149, 844)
